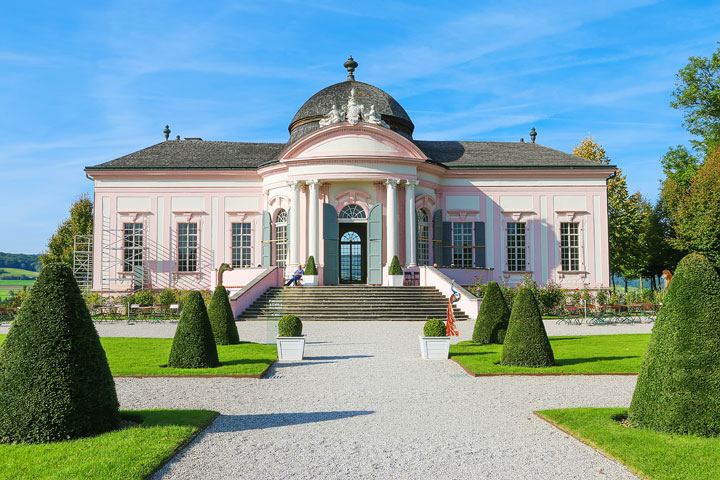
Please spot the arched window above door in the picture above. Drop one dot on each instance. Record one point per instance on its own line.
(352, 211)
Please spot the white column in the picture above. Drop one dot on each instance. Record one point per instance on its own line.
(410, 224)
(294, 240)
(392, 219)
(313, 227)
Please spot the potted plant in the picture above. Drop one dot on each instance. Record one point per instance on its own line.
(310, 278)
(290, 340)
(395, 273)
(435, 345)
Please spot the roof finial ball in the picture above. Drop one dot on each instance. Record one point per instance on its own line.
(351, 65)
(533, 134)
(167, 132)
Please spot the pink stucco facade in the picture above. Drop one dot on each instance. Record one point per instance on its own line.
(362, 165)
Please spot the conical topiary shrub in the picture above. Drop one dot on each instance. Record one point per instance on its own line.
(526, 341)
(222, 319)
(55, 382)
(678, 388)
(493, 316)
(194, 344)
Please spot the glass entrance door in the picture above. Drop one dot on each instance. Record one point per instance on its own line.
(352, 256)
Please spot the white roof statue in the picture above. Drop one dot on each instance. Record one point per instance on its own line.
(352, 113)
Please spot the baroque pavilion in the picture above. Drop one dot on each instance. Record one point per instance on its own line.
(351, 187)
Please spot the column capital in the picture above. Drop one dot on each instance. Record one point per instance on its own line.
(294, 184)
(412, 183)
(312, 183)
(392, 182)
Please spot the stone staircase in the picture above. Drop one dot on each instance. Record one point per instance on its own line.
(355, 302)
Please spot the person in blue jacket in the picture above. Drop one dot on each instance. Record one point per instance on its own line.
(296, 276)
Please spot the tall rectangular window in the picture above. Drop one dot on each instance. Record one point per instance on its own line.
(241, 242)
(462, 244)
(516, 243)
(569, 247)
(187, 247)
(132, 246)
(423, 237)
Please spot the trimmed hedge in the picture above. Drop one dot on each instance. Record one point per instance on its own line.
(526, 342)
(222, 319)
(310, 268)
(290, 326)
(395, 268)
(194, 344)
(493, 316)
(435, 328)
(55, 382)
(678, 387)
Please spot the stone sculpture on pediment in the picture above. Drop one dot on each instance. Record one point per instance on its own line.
(335, 115)
(373, 117)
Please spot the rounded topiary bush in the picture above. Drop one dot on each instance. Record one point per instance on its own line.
(435, 328)
(194, 344)
(395, 268)
(526, 341)
(678, 387)
(290, 326)
(310, 268)
(55, 382)
(222, 319)
(493, 316)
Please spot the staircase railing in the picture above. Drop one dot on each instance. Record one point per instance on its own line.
(432, 277)
(242, 299)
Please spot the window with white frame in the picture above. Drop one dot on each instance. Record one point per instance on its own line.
(516, 243)
(281, 238)
(132, 246)
(241, 245)
(423, 237)
(352, 212)
(187, 247)
(462, 244)
(569, 246)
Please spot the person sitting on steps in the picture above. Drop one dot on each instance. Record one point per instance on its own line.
(296, 276)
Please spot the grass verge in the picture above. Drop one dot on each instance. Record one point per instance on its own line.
(586, 354)
(145, 357)
(649, 454)
(131, 453)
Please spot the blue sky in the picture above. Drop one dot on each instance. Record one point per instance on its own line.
(82, 83)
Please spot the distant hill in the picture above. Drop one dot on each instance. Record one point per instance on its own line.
(21, 261)
(17, 274)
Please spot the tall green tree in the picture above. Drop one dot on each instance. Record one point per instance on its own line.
(698, 96)
(61, 244)
(679, 166)
(696, 226)
(624, 212)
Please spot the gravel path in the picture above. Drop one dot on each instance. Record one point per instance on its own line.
(364, 405)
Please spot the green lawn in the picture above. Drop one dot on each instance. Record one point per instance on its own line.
(649, 454)
(9, 272)
(14, 285)
(573, 355)
(134, 452)
(145, 357)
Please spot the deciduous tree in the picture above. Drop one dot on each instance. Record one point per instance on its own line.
(61, 244)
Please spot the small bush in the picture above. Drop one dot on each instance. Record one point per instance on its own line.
(493, 316)
(526, 342)
(55, 382)
(194, 344)
(678, 387)
(310, 268)
(549, 297)
(222, 319)
(290, 326)
(167, 297)
(144, 298)
(395, 268)
(435, 328)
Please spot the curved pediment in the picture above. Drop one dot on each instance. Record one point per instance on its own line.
(353, 141)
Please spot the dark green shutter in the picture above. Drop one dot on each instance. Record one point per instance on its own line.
(480, 244)
(447, 253)
(375, 239)
(330, 242)
(266, 244)
(437, 237)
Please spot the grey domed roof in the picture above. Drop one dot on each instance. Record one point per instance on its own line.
(308, 117)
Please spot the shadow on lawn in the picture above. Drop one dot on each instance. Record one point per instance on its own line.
(243, 361)
(470, 354)
(239, 423)
(561, 339)
(575, 361)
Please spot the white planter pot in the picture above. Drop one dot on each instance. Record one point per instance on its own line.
(290, 348)
(434, 348)
(310, 280)
(395, 280)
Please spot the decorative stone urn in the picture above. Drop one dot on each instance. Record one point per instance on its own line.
(395, 273)
(434, 348)
(290, 348)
